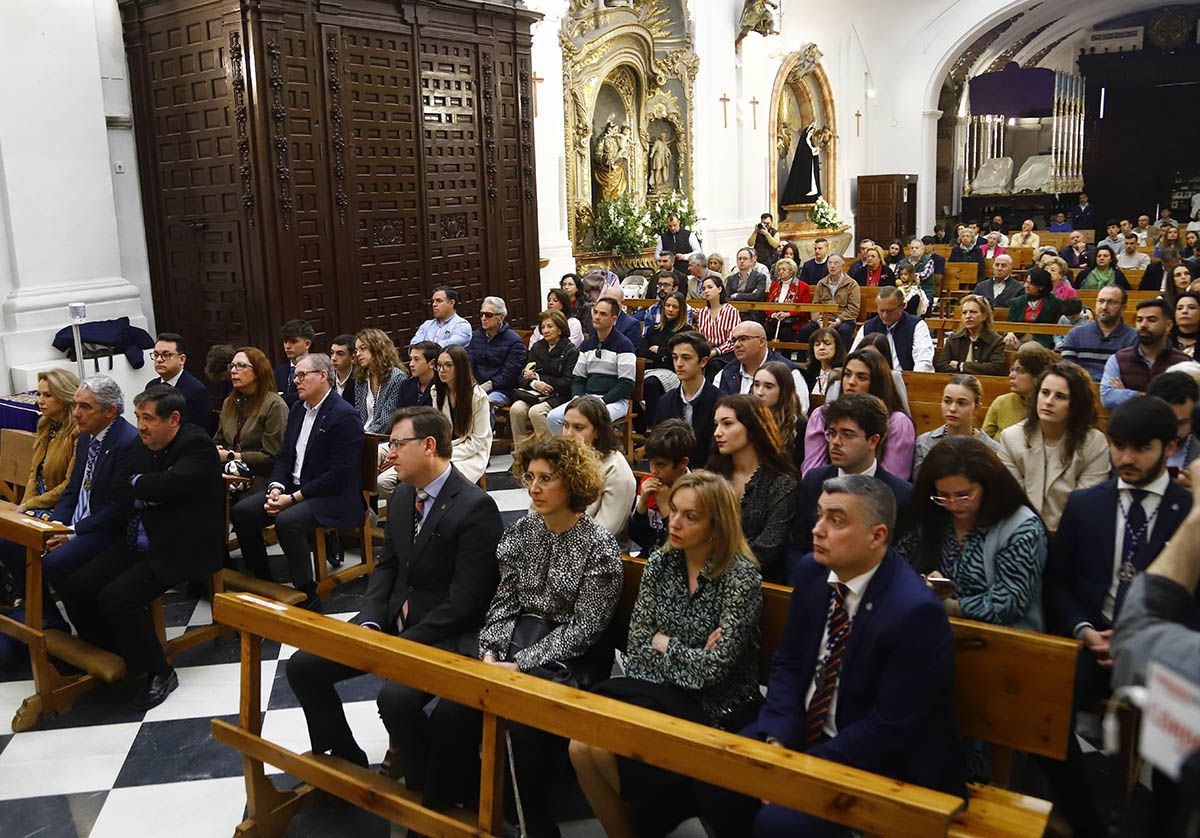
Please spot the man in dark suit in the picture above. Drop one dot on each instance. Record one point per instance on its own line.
(341, 353)
(172, 500)
(855, 426)
(695, 399)
(169, 356)
(87, 504)
(1083, 216)
(317, 481)
(1157, 275)
(297, 337)
(750, 351)
(422, 363)
(1108, 534)
(435, 578)
(1078, 254)
(864, 672)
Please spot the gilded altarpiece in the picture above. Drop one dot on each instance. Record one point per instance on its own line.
(629, 73)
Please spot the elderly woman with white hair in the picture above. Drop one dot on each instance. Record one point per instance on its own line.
(497, 353)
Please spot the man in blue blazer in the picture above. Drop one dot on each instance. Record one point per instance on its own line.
(750, 352)
(856, 425)
(317, 481)
(864, 673)
(88, 504)
(169, 356)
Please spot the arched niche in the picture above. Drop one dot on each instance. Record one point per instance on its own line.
(800, 97)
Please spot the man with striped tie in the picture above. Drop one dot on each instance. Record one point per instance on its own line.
(87, 504)
(864, 673)
(434, 580)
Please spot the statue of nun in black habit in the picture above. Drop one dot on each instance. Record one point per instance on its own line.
(804, 180)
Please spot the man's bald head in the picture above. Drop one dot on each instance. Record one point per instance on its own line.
(749, 343)
(612, 292)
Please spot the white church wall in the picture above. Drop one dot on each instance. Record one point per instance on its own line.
(59, 212)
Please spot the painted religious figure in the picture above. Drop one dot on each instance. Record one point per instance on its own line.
(612, 152)
(757, 16)
(804, 180)
(660, 164)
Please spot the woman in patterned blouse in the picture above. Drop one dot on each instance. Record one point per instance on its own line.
(973, 525)
(692, 653)
(750, 454)
(560, 572)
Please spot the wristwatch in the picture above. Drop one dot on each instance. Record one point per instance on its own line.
(230, 456)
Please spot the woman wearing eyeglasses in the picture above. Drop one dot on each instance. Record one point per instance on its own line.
(750, 455)
(974, 536)
(587, 420)
(253, 417)
(377, 379)
(464, 403)
(560, 579)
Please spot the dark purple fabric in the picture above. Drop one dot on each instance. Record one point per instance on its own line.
(1014, 92)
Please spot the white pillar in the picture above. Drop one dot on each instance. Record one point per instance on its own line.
(58, 221)
(927, 176)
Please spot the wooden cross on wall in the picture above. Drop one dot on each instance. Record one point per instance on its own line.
(536, 80)
(858, 123)
(754, 112)
(724, 100)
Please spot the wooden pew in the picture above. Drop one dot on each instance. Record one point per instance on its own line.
(325, 580)
(960, 276)
(942, 250)
(1134, 297)
(925, 398)
(626, 421)
(1013, 689)
(16, 459)
(863, 801)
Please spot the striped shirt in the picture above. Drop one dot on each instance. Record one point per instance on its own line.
(718, 330)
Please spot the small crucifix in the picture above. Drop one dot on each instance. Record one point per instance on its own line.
(858, 123)
(536, 81)
(754, 112)
(725, 100)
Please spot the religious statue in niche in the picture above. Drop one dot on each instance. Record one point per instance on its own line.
(610, 159)
(757, 16)
(660, 165)
(804, 180)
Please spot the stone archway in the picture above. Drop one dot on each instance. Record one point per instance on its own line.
(801, 96)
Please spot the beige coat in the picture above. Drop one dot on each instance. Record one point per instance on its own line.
(848, 299)
(1048, 486)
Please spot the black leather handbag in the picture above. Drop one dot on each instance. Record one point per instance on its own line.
(582, 672)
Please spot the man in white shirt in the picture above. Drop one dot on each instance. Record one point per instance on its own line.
(1129, 257)
(446, 327)
(1027, 238)
(1147, 233)
(912, 345)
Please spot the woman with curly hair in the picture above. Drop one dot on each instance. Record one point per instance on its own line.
(1056, 449)
(560, 579)
(750, 454)
(377, 377)
(587, 420)
(464, 403)
(253, 417)
(775, 387)
(971, 524)
(692, 653)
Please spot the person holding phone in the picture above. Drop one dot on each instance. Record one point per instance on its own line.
(974, 536)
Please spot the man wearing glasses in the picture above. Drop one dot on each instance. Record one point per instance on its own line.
(855, 427)
(317, 480)
(750, 350)
(497, 353)
(446, 326)
(435, 578)
(169, 356)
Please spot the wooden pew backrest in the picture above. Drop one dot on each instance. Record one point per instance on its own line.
(16, 460)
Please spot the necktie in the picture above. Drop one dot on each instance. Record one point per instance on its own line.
(419, 511)
(1135, 532)
(83, 504)
(830, 668)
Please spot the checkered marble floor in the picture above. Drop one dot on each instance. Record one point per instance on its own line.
(105, 770)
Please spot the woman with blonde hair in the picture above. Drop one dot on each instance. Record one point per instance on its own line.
(465, 404)
(716, 263)
(54, 446)
(560, 579)
(692, 653)
(974, 348)
(253, 416)
(378, 375)
(872, 272)
(1060, 276)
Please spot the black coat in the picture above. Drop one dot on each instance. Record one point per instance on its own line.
(555, 366)
(657, 336)
(199, 400)
(704, 408)
(448, 576)
(975, 254)
(810, 492)
(286, 385)
(182, 500)
(858, 272)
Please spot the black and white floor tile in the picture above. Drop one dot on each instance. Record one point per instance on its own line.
(104, 770)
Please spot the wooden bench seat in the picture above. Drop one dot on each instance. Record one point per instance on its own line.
(925, 398)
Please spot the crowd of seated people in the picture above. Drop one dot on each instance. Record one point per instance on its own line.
(747, 482)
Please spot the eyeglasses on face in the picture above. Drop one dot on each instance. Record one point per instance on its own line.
(529, 480)
(832, 434)
(395, 443)
(445, 366)
(742, 338)
(238, 367)
(956, 499)
(488, 314)
(163, 356)
(299, 376)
